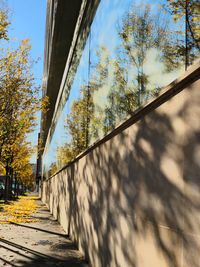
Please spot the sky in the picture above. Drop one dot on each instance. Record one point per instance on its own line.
(28, 21)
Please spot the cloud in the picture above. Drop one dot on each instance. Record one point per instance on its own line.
(155, 69)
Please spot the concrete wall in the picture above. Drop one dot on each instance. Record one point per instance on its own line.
(134, 200)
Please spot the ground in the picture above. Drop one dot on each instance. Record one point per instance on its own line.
(31, 237)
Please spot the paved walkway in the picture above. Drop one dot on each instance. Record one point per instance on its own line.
(38, 244)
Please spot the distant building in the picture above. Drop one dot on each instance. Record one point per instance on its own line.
(34, 168)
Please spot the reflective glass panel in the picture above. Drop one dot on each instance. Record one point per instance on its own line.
(133, 50)
(58, 152)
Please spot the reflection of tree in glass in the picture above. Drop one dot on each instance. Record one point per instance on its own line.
(78, 127)
(79, 119)
(190, 11)
(52, 169)
(100, 83)
(121, 99)
(64, 155)
(140, 31)
(82, 124)
(119, 82)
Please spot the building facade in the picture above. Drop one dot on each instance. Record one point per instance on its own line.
(122, 78)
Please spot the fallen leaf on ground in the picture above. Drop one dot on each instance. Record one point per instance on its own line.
(19, 211)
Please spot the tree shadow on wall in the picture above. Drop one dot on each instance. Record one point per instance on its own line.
(140, 188)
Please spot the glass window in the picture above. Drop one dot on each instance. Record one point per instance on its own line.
(133, 50)
(60, 148)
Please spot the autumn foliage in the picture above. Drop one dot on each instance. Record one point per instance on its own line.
(19, 103)
(19, 212)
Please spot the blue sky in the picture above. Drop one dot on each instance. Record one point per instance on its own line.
(28, 21)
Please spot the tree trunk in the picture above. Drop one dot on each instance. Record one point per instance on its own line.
(11, 183)
(6, 193)
(15, 190)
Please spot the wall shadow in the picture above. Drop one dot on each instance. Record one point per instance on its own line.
(39, 229)
(26, 257)
(134, 200)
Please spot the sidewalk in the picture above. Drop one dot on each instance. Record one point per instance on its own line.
(37, 244)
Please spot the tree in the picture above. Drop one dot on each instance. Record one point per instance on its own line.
(4, 23)
(19, 102)
(189, 10)
(78, 121)
(2, 170)
(83, 123)
(22, 169)
(122, 99)
(65, 154)
(140, 31)
(99, 84)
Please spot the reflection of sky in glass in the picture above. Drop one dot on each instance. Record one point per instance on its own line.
(104, 33)
(104, 26)
(104, 30)
(60, 136)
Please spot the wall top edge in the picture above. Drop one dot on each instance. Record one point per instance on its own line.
(178, 85)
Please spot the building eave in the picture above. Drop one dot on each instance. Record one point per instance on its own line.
(61, 21)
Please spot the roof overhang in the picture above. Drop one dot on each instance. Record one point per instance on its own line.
(67, 27)
(61, 21)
